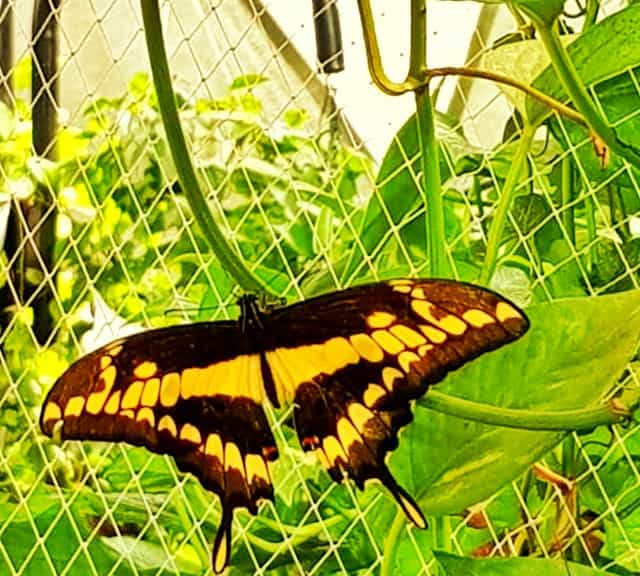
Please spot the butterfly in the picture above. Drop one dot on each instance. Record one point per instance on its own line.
(351, 362)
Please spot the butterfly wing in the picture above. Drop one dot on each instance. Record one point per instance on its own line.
(194, 392)
(367, 353)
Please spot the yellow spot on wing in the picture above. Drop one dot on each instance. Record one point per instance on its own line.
(146, 415)
(232, 457)
(293, 366)
(170, 389)
(145, 370)
(190, 433)
(340, 353)
(108, 375)
(409, 336)
(214, 447)
(150, 392)
(477, 318)
(114, 349)
(506, 312)
(390, 343)
(366, 347)
(402, 289)
(132, 394)
(347, 433)
(128, 414)
(256, 468)
(436, 336)
(167, 423)
(113, 404)
(105, 361)
(390, 375)
(51, 412)
(418, 293)
(189, 382)
(372, 394)
(333, 450)
(405, 359)
(96, 400)
(448, 322)
(359, 415)
(422, 351)
(322, 457)
(233, 377)
(380, 320)
(75, 406)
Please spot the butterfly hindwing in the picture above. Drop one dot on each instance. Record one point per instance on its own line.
(373, 350)
(194, 392)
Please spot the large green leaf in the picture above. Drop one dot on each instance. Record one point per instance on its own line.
(592, 55)
(568, 360)
(398, 194)
(459, 566)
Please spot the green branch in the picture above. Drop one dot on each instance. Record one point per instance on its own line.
(579, 419)
(230, 261)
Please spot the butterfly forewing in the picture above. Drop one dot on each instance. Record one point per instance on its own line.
(368, 352)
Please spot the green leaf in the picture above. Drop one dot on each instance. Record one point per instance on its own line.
(591, 55)
(568, 360)
(247, 81)
(459, 566)
(618, 98)
(398, 194)
(148, 555)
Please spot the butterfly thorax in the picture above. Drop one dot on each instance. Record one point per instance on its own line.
(251, 317)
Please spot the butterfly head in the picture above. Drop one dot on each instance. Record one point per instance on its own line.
(251, 315)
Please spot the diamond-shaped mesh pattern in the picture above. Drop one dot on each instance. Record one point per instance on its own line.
(98, 241)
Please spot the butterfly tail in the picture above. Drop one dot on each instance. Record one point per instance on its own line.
(406, 502)
(222, 544)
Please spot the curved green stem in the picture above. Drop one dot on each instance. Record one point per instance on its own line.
(431, 187)
(504, 203)
(578, 419)
(577, 91)
(374, 60)
(391, 541)
(231, 262)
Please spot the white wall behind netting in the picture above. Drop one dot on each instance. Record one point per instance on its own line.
(210, 43)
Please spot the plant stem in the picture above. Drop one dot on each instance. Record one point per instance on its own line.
(439, 267)
(498, 78)
(430, 186)
(230, 261)
(504, 203)
(391, 541)
(561, 420)
(567, 183)
(374, 60)
(574, 87)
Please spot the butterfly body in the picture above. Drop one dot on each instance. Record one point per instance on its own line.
(351, 362)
